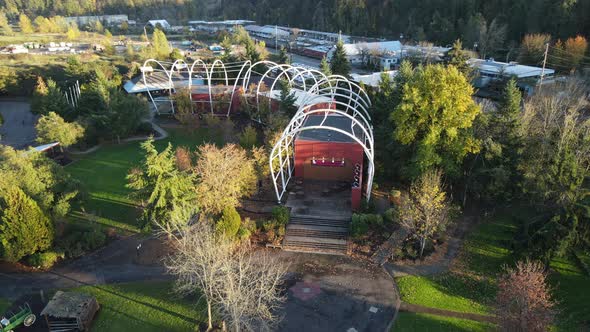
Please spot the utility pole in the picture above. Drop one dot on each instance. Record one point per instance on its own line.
(276, 38)
(544, 63)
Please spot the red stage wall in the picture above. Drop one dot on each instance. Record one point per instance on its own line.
(352, 153)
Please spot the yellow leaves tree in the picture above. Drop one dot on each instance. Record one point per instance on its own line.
(224, 175)
(434, 118)
(425, 210)
(25, 24)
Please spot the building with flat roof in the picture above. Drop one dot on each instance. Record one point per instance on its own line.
(108, 20)
(163, 23)
(359, 53)
(215, 26)
(527, 77)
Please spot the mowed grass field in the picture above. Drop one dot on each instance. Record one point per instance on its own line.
(470, 286)
(103, 175)
(145, 307)
(409, 321)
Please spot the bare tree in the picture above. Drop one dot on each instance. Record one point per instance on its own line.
(249, 297)
(523, 300)
(242, 287)
(198, 262)
(425, 211)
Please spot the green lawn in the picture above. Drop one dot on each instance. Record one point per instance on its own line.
(407, 321)
(484, 252)
(4, 305)
(103, 173)
(571, 287)
(145, 307)
(472, 287)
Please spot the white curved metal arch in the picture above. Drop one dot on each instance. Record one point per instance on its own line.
(247, 63)
(296, 126)
(161, 65)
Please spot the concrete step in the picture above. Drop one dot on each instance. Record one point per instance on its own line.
(320, 228)
(319, 222)
(315, 245)
(317, 234)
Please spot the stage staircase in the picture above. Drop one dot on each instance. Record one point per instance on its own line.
(326, 235)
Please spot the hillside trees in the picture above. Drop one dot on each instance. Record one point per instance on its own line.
(25, 24)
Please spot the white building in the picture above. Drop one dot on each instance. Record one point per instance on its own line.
(527, 76)
(215, 26)
(373, 79)
(108, 20)
(359, 53)
(163, 23)
(267, 32)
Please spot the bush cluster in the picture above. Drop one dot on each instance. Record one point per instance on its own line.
(45, 260)
(79, 239)
(361, 223)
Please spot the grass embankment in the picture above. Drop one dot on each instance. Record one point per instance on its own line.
(103, 173)
(145, 307)
(470, 286)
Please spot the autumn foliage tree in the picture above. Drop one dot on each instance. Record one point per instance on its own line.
(524, 301)
(434, 117)
(425, 211)
(224, 175)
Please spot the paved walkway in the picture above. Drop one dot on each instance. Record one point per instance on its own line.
(336, 293)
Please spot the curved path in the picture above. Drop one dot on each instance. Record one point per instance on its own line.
(162, 134)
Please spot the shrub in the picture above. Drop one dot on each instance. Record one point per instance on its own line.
(45, 260)
(280, 214)
(212, 121)
(389, 216)
(243, 233)
(229, 223)
(361, 223)
(358, 227)
(78, 239)
(249, 225)
(268, 225)
(249, 137)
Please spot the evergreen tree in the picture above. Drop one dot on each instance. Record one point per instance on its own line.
(5, 27)
(287, 99)
(458, 57)
(283, 57)
(325, 67)
(24, 228)
(167, 193)
(339, 64)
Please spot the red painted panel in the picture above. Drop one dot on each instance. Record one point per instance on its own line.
(352, 153)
